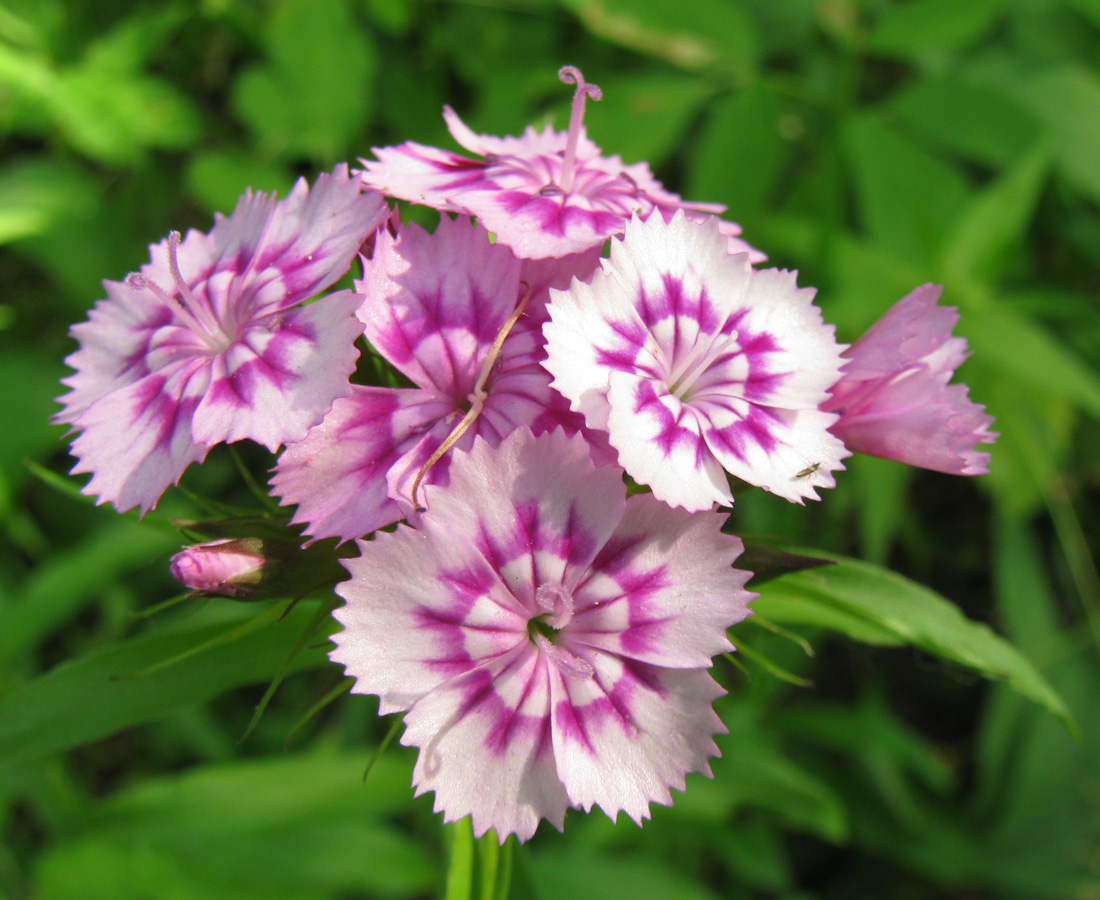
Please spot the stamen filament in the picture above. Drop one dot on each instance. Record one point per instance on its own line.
(189, 301)
(702, 355)
(572, 75)
(137, 282)
(477, 398)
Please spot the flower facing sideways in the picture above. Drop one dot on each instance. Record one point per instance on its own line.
(696, 365)
(210, 341)
(546, 637)
(544, 194)
(894, 399)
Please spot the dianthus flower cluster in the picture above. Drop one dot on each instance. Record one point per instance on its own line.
(569, 323)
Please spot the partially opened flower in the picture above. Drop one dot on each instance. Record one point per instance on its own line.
(543, 194)
(697, 365)
(546, 637)
(894, 399)
(210, 341)
(434, 307)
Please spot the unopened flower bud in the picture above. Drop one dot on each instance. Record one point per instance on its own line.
(226, 568)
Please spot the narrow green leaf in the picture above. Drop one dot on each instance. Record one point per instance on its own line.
(767, 562)
(767, 665)
(804, 645)
(69, 581)
(395, 726)
(63, 484)
(488, 865)
(283, 828)
(1023, 350)
(228, 636)
(504, 871)
(755, 771)
(995, 221)
(335, 693)
(788, 601)
(322, 613)
(870, 727)
(1067, 101)
(905, 194)
(887, 605)
(79, 702)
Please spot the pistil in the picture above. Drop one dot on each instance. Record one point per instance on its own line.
(572, 75)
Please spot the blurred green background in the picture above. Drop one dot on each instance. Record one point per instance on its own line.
(873, 145)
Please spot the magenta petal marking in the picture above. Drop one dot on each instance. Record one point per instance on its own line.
(544, 194)
(660, 442)
(435, 302)
(547, 641)
(631, 733)
(337, 474)
(226, 305)
(486, 748)
(137, 440)
(695, 363)
(270, 384)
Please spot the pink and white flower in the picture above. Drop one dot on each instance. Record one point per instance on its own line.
(211, 342)
(546, 638)
(894, 399)
(696, 365)
(434, 304)
(543, 194)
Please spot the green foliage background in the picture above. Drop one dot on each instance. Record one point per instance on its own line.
(874, 145)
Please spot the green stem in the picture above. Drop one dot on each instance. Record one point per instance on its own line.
(253, 485)
(460, 869)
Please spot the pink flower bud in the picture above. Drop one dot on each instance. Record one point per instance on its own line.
(227, 568)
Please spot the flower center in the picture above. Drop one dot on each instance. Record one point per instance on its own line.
(202, 321)
(556, 604)
(684, 374)
(545, 630)
(572, 75)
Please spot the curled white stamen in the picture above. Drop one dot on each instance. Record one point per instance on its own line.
(572, 75)
(137, 282)
(557, 603)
